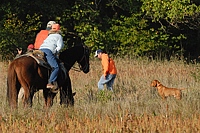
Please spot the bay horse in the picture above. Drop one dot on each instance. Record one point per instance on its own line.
(27, 73)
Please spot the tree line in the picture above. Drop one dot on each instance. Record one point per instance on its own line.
(156, 28)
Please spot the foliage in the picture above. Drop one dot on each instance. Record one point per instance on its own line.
(179, 19)
(16, 33)
(173, 11)
(104, 96)
(121, 27)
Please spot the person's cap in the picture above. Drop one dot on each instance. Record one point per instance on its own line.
(30, 46)
(97, 52)
(50, 23)
(55, 27)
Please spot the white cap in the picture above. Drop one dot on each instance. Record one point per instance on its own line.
(50, 23)
(97, 52)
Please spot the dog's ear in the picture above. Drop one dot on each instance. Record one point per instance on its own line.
(154, 83)
(158, 83)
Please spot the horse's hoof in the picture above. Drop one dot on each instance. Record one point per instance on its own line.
(54, 90)
(51, 86)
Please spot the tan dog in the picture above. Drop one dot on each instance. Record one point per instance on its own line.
(164, 92)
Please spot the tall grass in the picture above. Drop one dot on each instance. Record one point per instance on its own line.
(133, 107)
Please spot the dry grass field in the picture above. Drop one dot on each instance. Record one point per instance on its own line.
(134, 107)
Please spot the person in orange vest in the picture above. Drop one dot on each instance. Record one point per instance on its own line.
(42, 35)
(109, 70)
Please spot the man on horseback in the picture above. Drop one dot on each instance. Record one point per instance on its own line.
(51, 46)
(42, 35)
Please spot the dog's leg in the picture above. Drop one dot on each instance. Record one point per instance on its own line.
(163, 97)
(178, 95)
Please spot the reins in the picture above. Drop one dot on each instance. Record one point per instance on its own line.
(80, 67)
(86, 65)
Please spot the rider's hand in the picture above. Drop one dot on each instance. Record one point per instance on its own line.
(19, 51)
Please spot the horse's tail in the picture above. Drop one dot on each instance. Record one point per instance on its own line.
(12, 83)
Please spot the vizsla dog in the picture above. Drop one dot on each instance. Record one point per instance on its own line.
(164, 92)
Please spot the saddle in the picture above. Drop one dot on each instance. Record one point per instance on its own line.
(39, 57)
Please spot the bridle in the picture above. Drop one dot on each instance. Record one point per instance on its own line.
(84, 57)
(86, 52)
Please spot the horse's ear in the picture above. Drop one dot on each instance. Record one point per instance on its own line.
(79, 42)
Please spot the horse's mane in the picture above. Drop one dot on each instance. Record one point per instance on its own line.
(71, 55)
(70, 51)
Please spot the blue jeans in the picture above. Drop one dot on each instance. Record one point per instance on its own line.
(51, 59)
(109, 81)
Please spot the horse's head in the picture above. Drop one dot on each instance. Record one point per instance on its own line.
(83, 62)
(78, 53)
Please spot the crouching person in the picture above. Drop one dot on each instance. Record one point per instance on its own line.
(109, 70)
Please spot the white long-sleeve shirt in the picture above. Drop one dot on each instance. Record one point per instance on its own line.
(53, 42)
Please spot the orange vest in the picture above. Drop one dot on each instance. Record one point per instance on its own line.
(41, 36)
(108, 65)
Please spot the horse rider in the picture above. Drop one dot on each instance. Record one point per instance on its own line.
(30, 48)
(42, 35)
(51, 47)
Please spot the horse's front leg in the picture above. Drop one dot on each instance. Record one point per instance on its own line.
(66, 95)
(48, 96)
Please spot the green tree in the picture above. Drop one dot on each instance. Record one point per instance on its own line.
(176, 18)
(135, 27)
(16, 33)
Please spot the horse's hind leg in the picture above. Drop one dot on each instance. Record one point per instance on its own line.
(13, 95)
(28, 89)
(13, 87)
(28, 96)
